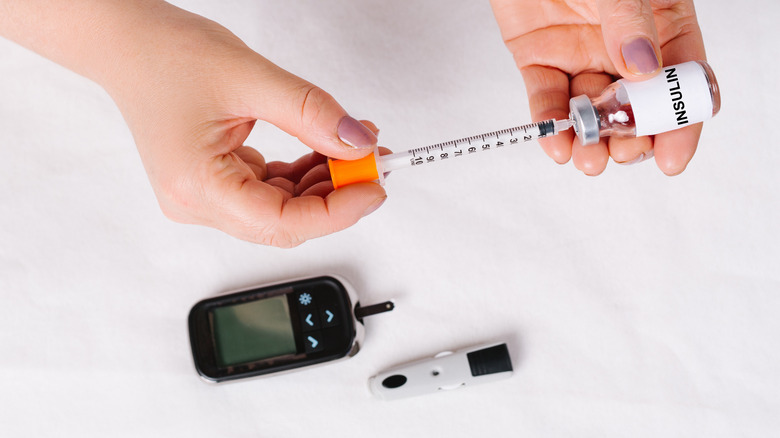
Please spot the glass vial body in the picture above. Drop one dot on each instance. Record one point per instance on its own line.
(679, 96)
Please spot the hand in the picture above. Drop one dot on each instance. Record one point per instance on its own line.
(565, 48)
(191, 92)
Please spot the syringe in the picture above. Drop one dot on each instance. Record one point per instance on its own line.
(373, 167)
(624, 109)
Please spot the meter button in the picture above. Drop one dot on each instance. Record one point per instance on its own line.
(313, 342)
(305, 299)
(329, 317)
(309, 320)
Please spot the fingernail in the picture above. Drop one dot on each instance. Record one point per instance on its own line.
(640, 56)
(355, 134)
(372, 208)
(642, 157)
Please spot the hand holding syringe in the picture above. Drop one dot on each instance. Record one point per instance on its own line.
(681, 95)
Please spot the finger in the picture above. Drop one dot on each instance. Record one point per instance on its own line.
(371, 126)
(285, 194)
(262, 216)
(630, 37)
(674, 149)
(284, 184)
(687, 46)
(591, 159)
(581, 49)
(316, 175)
(548, 98)
(297, 169)
(254, 159)
(321, 189)
(256, 211)
(307, 112)
(630, 150)
(679, 33)
(304, 165)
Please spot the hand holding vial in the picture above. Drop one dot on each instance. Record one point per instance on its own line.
(568, 48)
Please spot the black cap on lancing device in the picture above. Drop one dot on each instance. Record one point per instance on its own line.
(446, 370)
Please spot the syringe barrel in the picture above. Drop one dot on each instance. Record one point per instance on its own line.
(395, 161)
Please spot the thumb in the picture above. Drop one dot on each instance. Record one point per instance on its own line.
(307, 112)
(631, 37)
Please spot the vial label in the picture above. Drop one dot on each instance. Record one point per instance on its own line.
(679, 96)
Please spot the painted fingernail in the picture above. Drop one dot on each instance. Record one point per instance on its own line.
(374, 206)
(640, 56)
(355, 134)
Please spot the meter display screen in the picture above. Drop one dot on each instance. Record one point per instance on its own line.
(253, 331)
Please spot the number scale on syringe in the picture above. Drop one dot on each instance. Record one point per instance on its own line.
(471, 145)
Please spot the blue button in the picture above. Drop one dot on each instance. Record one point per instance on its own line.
(329, 317)
(305, 299)
(309, 320)
(313, 342)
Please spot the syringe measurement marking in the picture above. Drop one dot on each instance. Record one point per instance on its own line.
(418, 158)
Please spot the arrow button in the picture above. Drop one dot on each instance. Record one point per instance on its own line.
(313, 342)
(310, 320)
(329, 317)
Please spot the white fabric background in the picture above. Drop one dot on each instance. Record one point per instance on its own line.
(634, 304)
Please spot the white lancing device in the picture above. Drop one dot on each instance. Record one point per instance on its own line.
(445, 371)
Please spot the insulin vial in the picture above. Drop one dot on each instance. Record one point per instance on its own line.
(679, 96)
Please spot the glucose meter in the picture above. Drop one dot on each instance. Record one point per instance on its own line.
(277, 328)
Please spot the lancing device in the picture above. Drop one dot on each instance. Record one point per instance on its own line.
(445, 371)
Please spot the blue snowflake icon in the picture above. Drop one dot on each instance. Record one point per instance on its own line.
(305, 299)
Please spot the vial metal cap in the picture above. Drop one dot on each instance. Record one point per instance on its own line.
(586, 120)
